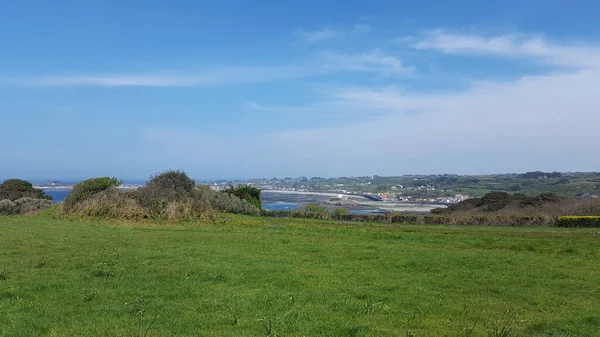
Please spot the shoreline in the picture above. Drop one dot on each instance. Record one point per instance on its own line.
(390, 206)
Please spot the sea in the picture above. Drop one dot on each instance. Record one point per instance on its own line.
(271, 201)
(57, 195)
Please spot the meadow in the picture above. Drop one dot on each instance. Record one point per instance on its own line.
(255, 276)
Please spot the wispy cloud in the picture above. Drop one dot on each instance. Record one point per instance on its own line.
(328, 33)
(376, 61)
(319, 35)
(492, 127)
(329, 108)
(213, 77)
(109, 81)
(324, 63)
(510, 45)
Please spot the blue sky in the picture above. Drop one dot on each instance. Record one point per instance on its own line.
(241, 89)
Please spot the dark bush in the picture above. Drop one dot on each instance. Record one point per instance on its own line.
(494, 201)
(466, 205)
(248, 193)
(88, 188)
(578, 221)
(548, 197)
(441, 210)
(13, 189)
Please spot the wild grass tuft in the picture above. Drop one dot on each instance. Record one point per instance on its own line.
(104, 270)
(87, 294)
(138, 306)
(41, 262)
(371, 307)
(142, 330)
(504, 326)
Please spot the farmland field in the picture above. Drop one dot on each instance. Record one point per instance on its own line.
(252, 276)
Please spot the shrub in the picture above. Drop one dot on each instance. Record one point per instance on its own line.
(441, 210)
(158, 203)
(340, 211)
(229, 203)
(13, 189)
(465, 205)
(110, 203)
(248, 193)
(7, 207)
(23, 206)
(172, 180)
(31, 205)
(314, 208)
(88, 188)
(163, 188)
(578, 221)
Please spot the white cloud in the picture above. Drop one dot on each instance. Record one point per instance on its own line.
(377, 61)
(328, 33)
(538, 122)
(255, 106)
(512, 45)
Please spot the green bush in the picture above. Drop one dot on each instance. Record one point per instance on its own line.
(163, 188)
(340, 211)
(578, 221)
(110, 203)
(248, 193)
(172, 180)
(228, 203)
(88, 188)
(314, 208)
(13, 189)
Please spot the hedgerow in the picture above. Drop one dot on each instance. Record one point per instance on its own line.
(399, 218)
(578, 221)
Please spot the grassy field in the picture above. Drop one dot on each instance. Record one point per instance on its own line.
(244, 276)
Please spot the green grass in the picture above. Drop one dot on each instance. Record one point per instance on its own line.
(244, 276)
